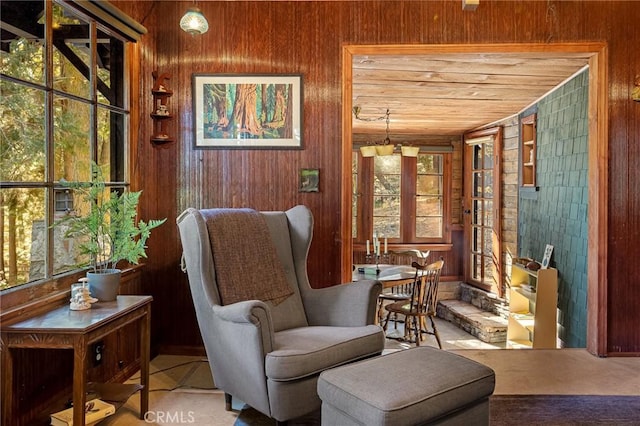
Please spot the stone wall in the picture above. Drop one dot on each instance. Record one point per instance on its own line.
(556, 213)
(66, 259)
(509, 180)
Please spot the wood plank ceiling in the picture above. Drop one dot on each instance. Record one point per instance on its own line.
(434, 98)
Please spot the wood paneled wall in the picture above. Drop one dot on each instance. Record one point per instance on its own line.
(306, 37)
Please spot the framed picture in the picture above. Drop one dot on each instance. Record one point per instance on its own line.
(548, 250)
(309, 180)
(253, 111)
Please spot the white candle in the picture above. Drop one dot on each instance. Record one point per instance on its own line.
(385, 245)
(368, 251)
(378, 247)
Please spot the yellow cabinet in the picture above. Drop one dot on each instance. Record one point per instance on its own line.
(533, 300)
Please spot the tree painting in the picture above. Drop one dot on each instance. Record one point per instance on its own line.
(247, 111)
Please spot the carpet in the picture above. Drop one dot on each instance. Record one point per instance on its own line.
(508, 410)
(563, 410)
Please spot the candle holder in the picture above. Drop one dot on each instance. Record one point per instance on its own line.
(375, 258)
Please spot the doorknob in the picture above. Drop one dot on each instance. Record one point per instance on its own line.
(466, 211)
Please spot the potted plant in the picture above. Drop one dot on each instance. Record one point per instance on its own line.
(107, 232)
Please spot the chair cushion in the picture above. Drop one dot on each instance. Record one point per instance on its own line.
(307, 351)
(395, 296)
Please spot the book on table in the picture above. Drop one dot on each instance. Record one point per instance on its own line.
(95, 410)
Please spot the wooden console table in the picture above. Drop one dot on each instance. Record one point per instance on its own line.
(63, 328)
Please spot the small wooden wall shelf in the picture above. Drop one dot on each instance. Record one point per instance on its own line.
(161, 115)
(528, 150)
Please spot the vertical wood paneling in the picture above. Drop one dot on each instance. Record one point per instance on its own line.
(306, 37)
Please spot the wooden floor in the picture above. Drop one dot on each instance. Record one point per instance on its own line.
(518, 372)
(540, 371)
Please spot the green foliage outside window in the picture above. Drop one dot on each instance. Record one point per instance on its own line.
(37, 153)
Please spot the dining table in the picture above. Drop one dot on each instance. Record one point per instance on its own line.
(388, 275)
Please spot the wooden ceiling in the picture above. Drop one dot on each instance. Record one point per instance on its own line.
(433, 98)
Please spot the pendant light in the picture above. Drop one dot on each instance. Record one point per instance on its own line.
(410, 151)
(383, 148)
(387, 147)
(194, 22)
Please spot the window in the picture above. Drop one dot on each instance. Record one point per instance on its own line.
(63, 106)
(403, 199)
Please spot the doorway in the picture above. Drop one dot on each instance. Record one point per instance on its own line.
(598, 148)
(482, 211)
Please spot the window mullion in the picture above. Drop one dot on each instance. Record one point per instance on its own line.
(408, 197)
(48, 135)
(365, 188)
(447, 195)
(93, 83)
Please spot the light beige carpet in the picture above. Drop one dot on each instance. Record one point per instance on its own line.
(182, 391)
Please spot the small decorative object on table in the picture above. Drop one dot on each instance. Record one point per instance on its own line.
(81, 296)
(521, 260)
(376, 252)
(533, 265)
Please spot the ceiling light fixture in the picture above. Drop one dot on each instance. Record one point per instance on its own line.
(194, 22)
(385, 147)
(371, 149)
(409, 151)
(470, 5)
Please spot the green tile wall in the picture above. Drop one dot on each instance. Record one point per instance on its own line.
(556, 214)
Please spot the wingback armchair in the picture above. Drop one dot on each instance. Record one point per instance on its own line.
(269, 355)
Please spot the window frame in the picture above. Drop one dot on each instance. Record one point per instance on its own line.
(409, 173)
(53, 287)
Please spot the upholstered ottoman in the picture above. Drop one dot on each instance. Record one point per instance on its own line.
(417, 386)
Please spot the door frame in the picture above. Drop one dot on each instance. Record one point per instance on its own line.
(496, 134)
(597, 256)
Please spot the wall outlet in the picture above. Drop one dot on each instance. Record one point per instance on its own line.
(97, 353)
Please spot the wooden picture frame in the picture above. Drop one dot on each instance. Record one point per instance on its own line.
(247, 111)
(309, 180)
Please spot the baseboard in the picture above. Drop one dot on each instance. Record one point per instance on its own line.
(182, 350)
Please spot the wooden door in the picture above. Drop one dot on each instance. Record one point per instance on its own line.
(482, 213)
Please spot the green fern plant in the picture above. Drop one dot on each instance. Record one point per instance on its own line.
(108, 232)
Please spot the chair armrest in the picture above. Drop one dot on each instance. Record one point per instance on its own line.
(347, 305)
(237, 316)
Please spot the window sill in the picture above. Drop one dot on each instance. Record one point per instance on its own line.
(410, 246)
(38, 297)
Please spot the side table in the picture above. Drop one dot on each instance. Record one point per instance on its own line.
(62, 328)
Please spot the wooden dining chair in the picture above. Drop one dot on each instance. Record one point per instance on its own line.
(421, 304)
(400, 292)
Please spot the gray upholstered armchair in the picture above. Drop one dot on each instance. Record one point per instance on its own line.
(270, 354)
